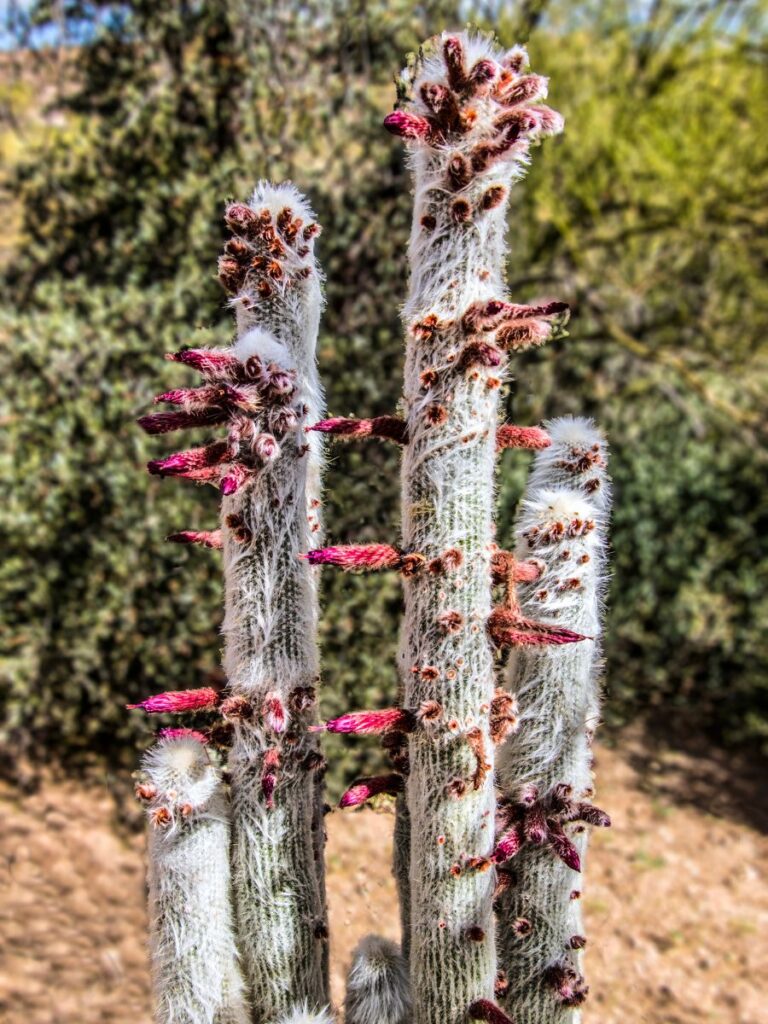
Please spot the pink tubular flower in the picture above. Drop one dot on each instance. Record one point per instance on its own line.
(488, 1012)
(510, 436)
(215, 364)
(390, 428)
(164, 422)
(358, 557)
(203, 699)
(182, 734)
(206, 538)
(237, 475)
(181, 463)
(371, 722)
(218, 395)
(408, 126)
(364, 789)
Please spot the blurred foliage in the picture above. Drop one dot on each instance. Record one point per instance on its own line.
(648, 215)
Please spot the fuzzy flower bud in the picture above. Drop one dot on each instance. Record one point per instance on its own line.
(203, 699)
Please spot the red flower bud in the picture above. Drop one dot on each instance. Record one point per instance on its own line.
(364, 789)
(563, 847)
(508, 629)
(203, 699)
(453, 55)
(273, 713)
(488, 1012)
(508, 845)
(358, 558)
(390, 428)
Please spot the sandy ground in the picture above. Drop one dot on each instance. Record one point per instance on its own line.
(676, 898)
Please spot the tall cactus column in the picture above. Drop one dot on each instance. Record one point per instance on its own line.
(468, 123)
(271, 655)
(265, 391)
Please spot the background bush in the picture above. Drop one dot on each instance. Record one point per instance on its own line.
(648, 215)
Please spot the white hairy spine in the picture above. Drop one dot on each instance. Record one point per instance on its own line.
(195, 974)
(539, 915)
(271, 651)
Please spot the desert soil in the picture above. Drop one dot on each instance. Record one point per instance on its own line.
(676, 898)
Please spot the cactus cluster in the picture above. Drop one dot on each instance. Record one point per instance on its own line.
(487, 851)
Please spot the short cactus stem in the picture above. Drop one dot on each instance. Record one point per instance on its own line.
(195, 971)
(545, 772)
(467, 142)
(377, 984)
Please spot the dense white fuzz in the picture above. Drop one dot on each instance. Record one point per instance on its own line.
(302, 1015)
(557, 688)
(457, 255)
(270, 654)
(195, 974)
(377, 984)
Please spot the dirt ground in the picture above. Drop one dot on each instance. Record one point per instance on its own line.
(676, 897)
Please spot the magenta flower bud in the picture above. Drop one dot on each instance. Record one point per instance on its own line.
(508, 845)
(408, 126)
(510, 436)
(478, 353)
(488, 1012)
(358, 557)
(164, 422)
(236, 477)
(266, 448)
(563, 847)
(279, 384)
(535, 826)
(390, 428)
(371, 722)
(269, 768)
(364, 789)
(215, 364)
(206, 538)
(181, 463)
(173, 701)
(182, 734)
(273, 713)
(592, 815)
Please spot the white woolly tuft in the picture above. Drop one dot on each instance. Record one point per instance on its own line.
(301, 1014)
(577, 458)
(564, 528)
(258, 342)
(195, 970)
(275, 197)
(378, 991)
(182, 767)
(270, 631)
